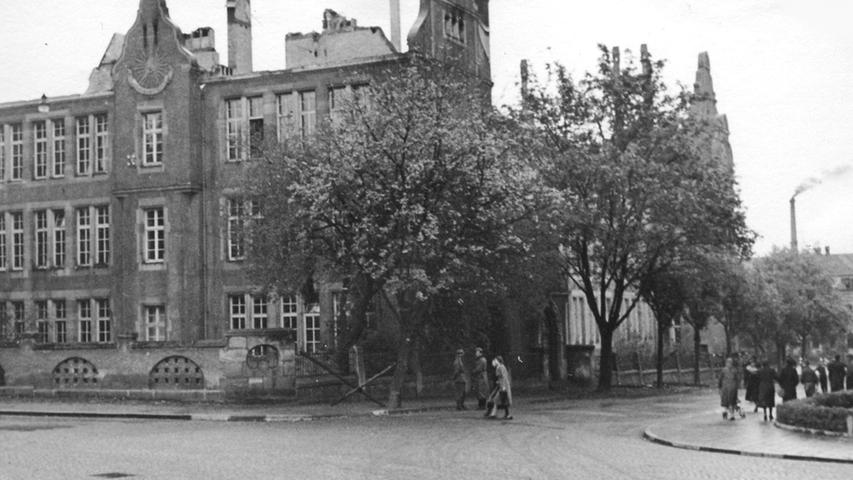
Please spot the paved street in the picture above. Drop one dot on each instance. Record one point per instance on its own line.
(570, 439)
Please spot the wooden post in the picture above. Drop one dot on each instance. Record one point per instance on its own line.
(639, 364)
(678, 366)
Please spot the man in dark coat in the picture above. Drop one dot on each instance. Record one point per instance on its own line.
(836, 374)
(809, 379)
(821, 376)
(480, 378)
(788, 380)
(766, 388)
(460, 380)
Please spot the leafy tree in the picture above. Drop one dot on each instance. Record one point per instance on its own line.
(666, 296)
(414, 188)
(633, 188)
(808, 306)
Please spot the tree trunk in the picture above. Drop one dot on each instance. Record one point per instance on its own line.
(553, 342)
(728, 332)
(605, 377)
(395, 399)
(697, 343)
(804, 345)
(659, 356)
(362, 290)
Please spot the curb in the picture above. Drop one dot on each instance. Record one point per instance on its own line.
(219, 417)
(650, 436)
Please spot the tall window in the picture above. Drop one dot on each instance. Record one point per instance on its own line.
(60, 321)
(247, 311)
(234, 128)
(41, 321)
(152, 138)
(155, 236)
(59, 238)
(259, 311)
(289, 312)
(17, 240)
(307, 112)
(312, 328)
(296, 114)
(102, 235)
(240, 213)
(58, 167)
(40, 149)
(101, 142)
(18, 318)
(104, 321)
(256, 126)
(84, 320)
(17, 133)
(244, 120)
(84, 145)
(454, 26)
(41, 238)
(237, 312)
(2, 152)
(338, 100)
(84, 237)
(4, 264)
(155, 323)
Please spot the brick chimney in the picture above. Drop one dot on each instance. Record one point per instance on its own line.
(395, 25)
(239, 35)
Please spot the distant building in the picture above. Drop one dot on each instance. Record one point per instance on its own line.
(121, 209)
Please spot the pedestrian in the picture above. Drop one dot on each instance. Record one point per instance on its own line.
(766, 388)
(788, 380)
(460, 380)
(836, 371)
(751, 381)
(503, 387)
(729, 383)
(809, 379)
(480, 378)
(821, 375)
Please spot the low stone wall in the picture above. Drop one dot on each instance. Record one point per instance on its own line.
(243, 363)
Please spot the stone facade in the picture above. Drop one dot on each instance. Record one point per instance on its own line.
(121, 207)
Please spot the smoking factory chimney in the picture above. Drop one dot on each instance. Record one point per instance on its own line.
(793, 225)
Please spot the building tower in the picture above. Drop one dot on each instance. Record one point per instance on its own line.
(239, 36)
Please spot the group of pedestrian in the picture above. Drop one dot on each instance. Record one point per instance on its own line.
(499, 397)
(763, 383)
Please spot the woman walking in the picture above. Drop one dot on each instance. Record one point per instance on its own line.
(767, 389)
(503, 388)
(729, 382)
(751, 381)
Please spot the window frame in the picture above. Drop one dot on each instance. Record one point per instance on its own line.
(155, 132)
(40, 149)
(159, 323)
(154, 236)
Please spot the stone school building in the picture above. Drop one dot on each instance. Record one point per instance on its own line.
(121, 257)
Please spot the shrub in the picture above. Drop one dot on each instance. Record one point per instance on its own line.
(823, 412)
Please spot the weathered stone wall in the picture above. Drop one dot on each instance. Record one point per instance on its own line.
(225, 365)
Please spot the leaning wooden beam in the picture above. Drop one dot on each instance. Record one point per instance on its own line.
(339, 377)
(360, 388)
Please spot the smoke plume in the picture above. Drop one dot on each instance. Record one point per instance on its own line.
(812, 182)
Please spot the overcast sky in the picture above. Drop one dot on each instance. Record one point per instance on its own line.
(781, 70)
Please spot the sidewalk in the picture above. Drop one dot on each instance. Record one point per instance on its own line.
(705, 430)
(232, 412)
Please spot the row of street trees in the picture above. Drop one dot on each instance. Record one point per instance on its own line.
(420, 191)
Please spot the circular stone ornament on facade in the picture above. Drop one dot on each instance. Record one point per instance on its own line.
(262, 357)
(148, 72)
(75, 372)
(176, 372)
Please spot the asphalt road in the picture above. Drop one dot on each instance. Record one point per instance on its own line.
(583, 439)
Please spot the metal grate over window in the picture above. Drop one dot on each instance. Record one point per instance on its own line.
(262, 357)
(75, 372)
(176, 372)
